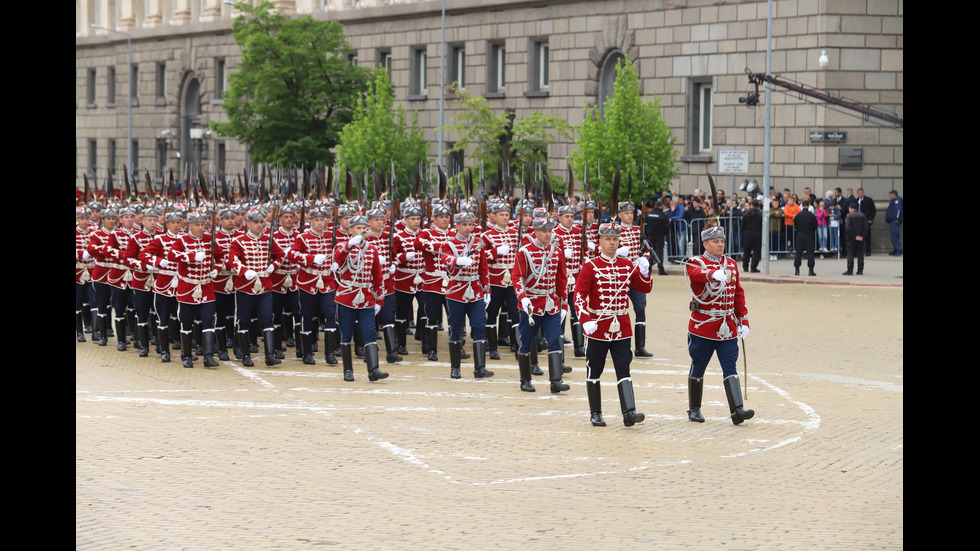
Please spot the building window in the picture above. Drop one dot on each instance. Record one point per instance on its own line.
(135, 160)
(90, 85)
(384, 60)
(111, 158)
(538, 70)
(111, 86)
(93, 159)
(134, 82)
(161, 80)
(699, 121)
(352, 58)
(418, 87)
(161, 159)
(220, 77)
(607, 78)
(496, 70)
(457, 66)
(454, 161)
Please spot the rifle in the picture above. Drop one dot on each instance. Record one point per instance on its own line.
(87, 190)
(149, 182)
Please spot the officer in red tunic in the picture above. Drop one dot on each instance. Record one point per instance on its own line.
(570, 238)
(195, 267)
(718, 318)
(429, 243)
(501, 246)
(541, 286)
(105, 261)
(142, 281)
(285, 302)
(360, 295)
(630, 249)
(154, 258)
(120, 275)
(378, 237)
(224, 284)
(602, 303)
(588, 221)
(84, 263)
(316, 286)
(409, 267)
(253, 257)
(466, 290)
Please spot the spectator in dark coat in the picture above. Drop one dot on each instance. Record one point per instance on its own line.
(805, 226)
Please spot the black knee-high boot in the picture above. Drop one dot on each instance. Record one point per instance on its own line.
(628, 403)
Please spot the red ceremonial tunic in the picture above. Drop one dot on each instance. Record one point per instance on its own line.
(408, 273)
(464, 283)
(359, 281)
(164, 281)
(119, 274)
(253, 253)
(629, 236)
(83, 268)
(142, 279)
(98, 247)
(310, 277)
(720, 306)
(429, 242)
(500, 266)
(602, 295)
(284, 276)
(539, 275)
(591, 236)
(380, 242)
(225, 282)
(194, 284)
(570, 240)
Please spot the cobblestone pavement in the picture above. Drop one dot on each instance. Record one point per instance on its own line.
(292, 457)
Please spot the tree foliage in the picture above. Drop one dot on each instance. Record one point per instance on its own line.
(633, 136)
(294, 89)
(379, 134)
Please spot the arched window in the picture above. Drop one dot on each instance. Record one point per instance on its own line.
(607, 76)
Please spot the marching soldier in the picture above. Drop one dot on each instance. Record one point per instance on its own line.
(588, 222)
(378, 237)
(195, 268)
(718, 318)
(98, 247)
(121, 296)
(630, 249)
(285, 302)
(466, 284)
(409, 267)
(84, 263)
(601, 301)
(224, 283)
(540, 283)
(360, 296)
(253, 258)
(501, 242)
(315, 280)
(429, 243)
(142, 281)
(569, 236)
(154, 257)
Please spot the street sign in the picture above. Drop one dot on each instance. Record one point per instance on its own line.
(733, 161)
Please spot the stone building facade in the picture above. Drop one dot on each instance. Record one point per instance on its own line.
(548, 56)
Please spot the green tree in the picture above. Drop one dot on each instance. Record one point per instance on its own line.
(294, 89)
(633, 136)
(380, 134)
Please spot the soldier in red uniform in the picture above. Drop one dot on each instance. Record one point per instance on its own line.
(360, 296)
(541, 284)
(121, 296)
(588, 221)
(630, 249)
(84, 294)
(285, 302)
(570, 238)
(154, 258)
(378, 237)
(142, 281)
(311, 252)
(409, 267)
(601, 301)
(224, 284)
(429, 244)
(718, 318)
(466, 290)
(195, 267)
(98, 247)
(253, 258)
(501, 245)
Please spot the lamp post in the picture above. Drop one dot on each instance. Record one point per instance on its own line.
(442, 81)
(130, 162)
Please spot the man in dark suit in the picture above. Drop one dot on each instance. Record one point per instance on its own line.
(805, 228)
(656, 226)
(867, 207)
(752, 238)
(844, 202)
(856, 228)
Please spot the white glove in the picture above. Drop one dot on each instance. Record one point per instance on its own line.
(164, 263)
(355, 241)
(503, 250)
(526, 305)
(391, 269)
(486, 299)
(743, 331)
(409, 256)
(720, 275)
(377, 308)
(591, 246)
(589, 327)
(623, 251)
(199, 256)
(335, 266)
(564, 314)
(271, 268)
(568, 254)
(85, 255)
(464, 261)
(250, 274)
(151, 268)
(319, 259)
(214, 274)
(644, 266)
(382, 259)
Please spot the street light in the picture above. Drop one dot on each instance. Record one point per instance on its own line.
(824, 60)
(130, 161)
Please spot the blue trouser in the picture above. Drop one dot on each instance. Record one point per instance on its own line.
(284, 303)
(84, 295)
(189, 313)
(103, 292)
(895, 229)
(701, 350)
(639, 301)
(549, 323)
(224, 308)
(249, 306)
(458, 312)
(143, 304)
(386, 316)
(595, 358)
(121, 300)
(501, 297)
(311, 304)
(165, 308)
(434, 303)
(346, 316)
